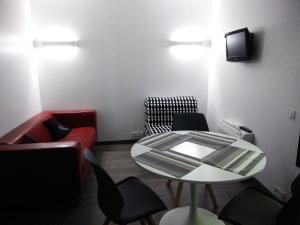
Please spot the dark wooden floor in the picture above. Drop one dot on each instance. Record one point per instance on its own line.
(117, 162)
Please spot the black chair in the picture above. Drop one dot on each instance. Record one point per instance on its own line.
(127, 201)
(191, 121)
(256, 207)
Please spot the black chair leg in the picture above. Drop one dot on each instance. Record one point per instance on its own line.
(106, 221)
(150, 220)
(169, 182)
(178, 193)
(212, 195)
(143, 222)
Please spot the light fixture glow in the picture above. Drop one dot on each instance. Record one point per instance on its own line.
(56, 43)
(187, 43)
(57, 34)
(37, 43)
(58, 52)
(206, 43)
(187, 52)
(190, 34)
(14, 45)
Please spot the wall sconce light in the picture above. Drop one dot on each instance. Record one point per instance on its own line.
(38, 43)
(56, 43)
(205, 43)
(187, 43)
(56, 50)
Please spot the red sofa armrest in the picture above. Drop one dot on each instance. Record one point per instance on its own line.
(50, 151)
(42, 171)
(76, 118)
(41, 146)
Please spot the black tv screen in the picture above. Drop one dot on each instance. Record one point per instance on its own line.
(238, 45)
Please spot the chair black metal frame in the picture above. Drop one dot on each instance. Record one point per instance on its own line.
(127, 201)
(191, 121)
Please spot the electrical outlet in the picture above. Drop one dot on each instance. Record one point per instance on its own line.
(279, 192)
(136, 134)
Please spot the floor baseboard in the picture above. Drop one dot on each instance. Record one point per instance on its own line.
(117, 142)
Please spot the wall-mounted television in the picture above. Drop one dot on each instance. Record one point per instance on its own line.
(238, 45)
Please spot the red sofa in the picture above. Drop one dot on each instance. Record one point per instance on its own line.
(47, 171)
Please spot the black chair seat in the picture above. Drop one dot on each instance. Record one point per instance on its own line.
(251, 207)
(139, 200)
(127, 201)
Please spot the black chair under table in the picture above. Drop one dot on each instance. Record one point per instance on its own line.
(256, 207)
(127, 201)
(191, 121)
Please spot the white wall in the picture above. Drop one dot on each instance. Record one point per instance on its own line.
(19, 90)
(124, 56)
(260, 92)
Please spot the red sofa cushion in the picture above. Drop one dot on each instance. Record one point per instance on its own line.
(84, 135)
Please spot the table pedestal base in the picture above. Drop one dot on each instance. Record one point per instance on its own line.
(182, 216)
(190, 215)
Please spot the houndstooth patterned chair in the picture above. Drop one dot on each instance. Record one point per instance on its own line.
(159, 112)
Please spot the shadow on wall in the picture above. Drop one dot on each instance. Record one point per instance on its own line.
(258, 43)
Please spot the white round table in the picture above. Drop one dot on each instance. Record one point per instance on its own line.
(205, 174)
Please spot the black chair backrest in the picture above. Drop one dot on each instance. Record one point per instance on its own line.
(296, 188)
(290, 213)
(189, 121)
(109, 197)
